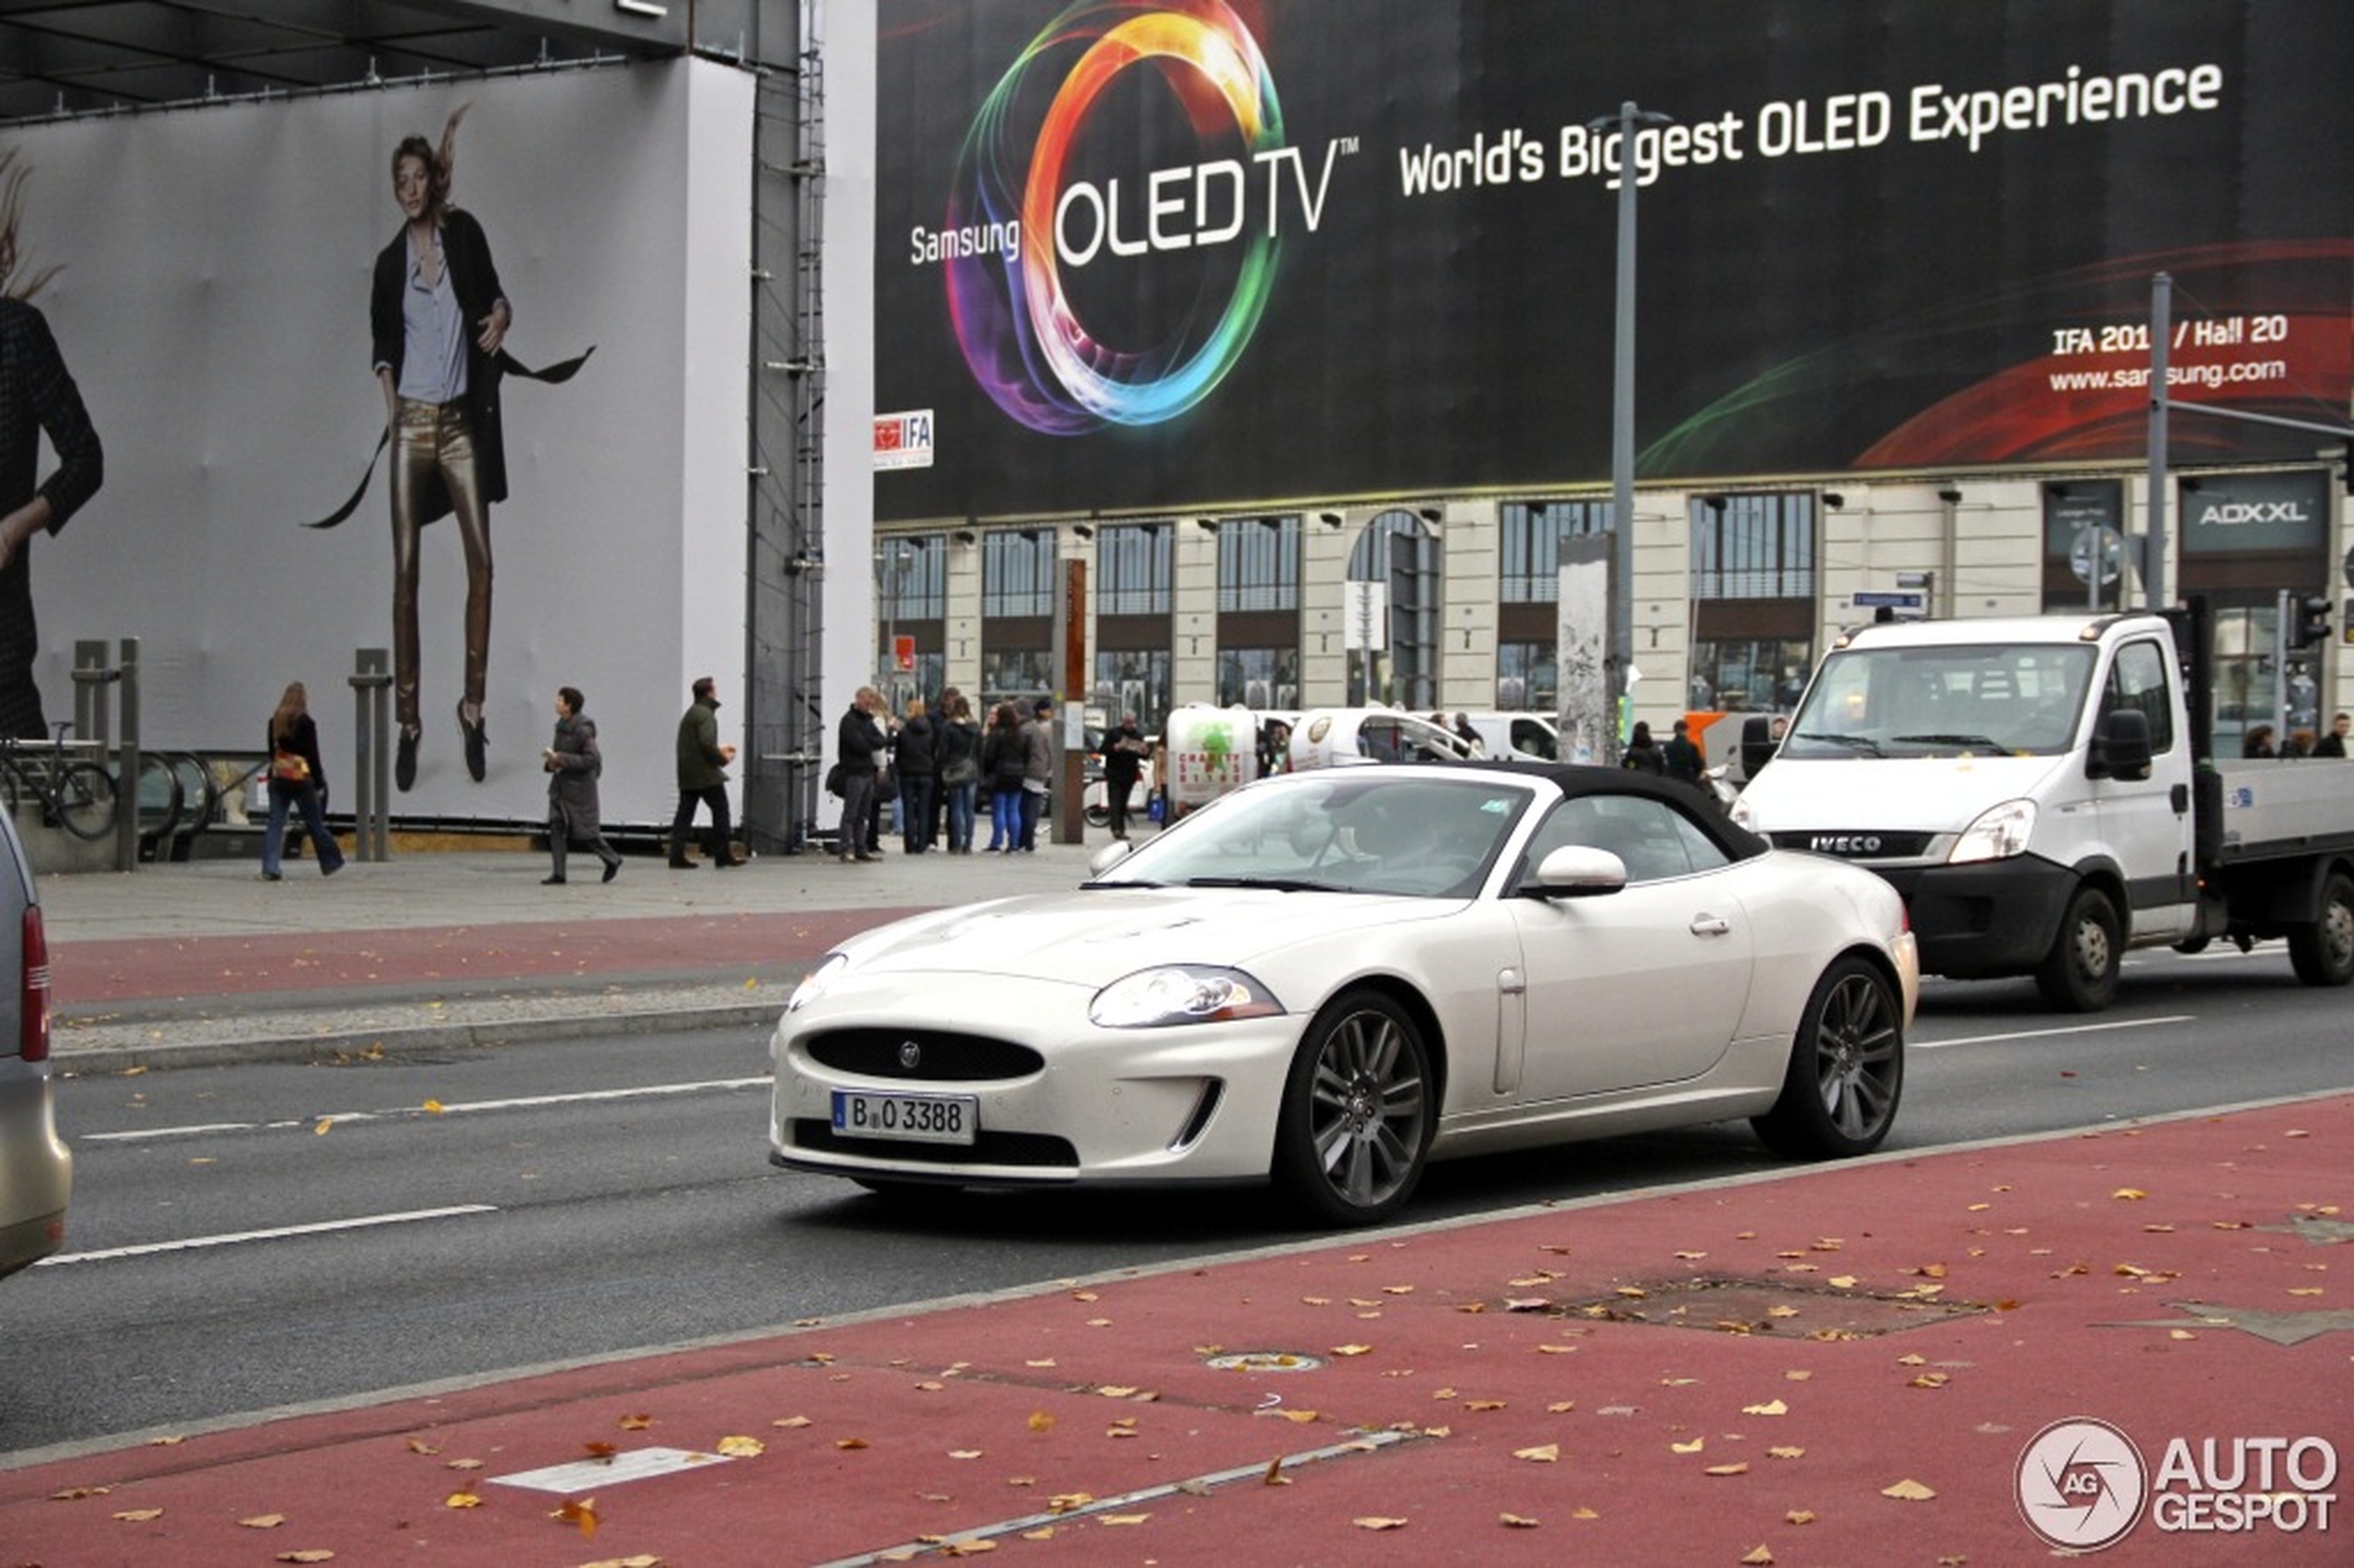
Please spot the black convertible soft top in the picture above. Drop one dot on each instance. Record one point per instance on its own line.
(1573, 781)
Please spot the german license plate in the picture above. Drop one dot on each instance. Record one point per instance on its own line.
(917, 1118)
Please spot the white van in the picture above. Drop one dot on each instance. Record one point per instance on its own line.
(1521, 736)
(1339, 737)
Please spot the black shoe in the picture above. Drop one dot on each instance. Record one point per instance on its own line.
(551, 882)
(477, 745)
(678, 864)
(612, 868)
(729, 864)
(404, 762)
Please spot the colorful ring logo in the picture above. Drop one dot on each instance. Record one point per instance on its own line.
(1015, 319)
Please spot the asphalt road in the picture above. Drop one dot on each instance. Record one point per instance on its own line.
(250, 1237)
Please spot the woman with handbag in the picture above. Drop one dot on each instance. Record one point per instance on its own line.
(297, 779)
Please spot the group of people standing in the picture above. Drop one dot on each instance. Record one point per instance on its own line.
(940, 762)
(2257, 742)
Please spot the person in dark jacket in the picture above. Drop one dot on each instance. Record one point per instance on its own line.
(859, 742)
(914, 762)
(2333, 743)
(959, 756)
(1004, 754)
(1642, 752)
(1682, 759)
(702, 781)
(574, 765)
(297, 779)
(1124, 751)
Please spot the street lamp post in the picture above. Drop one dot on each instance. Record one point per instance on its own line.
(1622, 420)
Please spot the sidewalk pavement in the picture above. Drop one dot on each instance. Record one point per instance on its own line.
(1850, 1363)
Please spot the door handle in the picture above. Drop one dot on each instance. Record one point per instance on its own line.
(1710, 925)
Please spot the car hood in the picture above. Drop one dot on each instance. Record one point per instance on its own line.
(1088, 938)
(1893, 795)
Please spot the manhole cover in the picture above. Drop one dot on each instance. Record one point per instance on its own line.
(1266, 1361)
(1761, 1306)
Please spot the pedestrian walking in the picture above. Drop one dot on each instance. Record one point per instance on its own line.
(1680, 758)
(859, 747)
(297, 781)
(702, 781)
(1124, 751)
(574, 765)
(1642, 752)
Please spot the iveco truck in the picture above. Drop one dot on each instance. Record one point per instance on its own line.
(2042, 792)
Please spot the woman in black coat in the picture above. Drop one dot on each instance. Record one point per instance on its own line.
(573, 764)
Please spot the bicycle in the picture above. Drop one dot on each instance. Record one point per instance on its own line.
(75, 793)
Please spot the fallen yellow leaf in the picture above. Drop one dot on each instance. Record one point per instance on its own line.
(581, 1512)
(461, 1499)
(308, 1554)
(1908, 1491)
(1040, 1420)
(1799, 1516)
(850, 1444)
(1375, 1522)
(139, 1515)
(1785, 1453)
(1695, 1446)
(1770, 1408)
(435, 1106)
(635, 1422)
(1122, 1518)
(1352, 1349)
(1737, 1468)
(1761, 1557)
(263, 1522)
(2131, 1194)
(1545, 1453)
(1515, 1521)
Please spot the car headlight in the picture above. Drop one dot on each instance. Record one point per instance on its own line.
(1181, 994)
(813, 987)
(1999, 833)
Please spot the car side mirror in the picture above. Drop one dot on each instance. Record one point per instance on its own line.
(1757, 744)
(1577, 871)
(2120, 746)
(1108, 856)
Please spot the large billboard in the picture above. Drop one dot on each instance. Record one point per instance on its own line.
(214, 301)
(1141, 254)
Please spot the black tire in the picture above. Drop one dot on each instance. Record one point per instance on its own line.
(1358, 1110)
(1846, 1073)
(2323, 953)
(2080, 974)
(86, 800)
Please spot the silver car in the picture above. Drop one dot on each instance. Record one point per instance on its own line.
(36, 1172)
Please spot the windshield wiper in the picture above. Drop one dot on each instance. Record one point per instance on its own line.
(1272, 884)
(1852, 742)
(1948, 740)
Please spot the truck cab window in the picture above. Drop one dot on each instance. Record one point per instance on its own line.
(2140, 678)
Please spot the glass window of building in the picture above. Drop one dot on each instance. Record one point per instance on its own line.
(1258, 678)
(911, 591)
(1018, 572)
(1258, 565)
(1397, 559)
(1132, 681)
(1017, 674)
(1753, 599)
(1529, 550)
(1528, 594)
(1132, 570)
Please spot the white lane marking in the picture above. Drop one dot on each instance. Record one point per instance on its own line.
(189, 1243)
(535, 1102)
(2047, 1033)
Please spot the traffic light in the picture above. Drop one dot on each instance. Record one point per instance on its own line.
(2311, 623)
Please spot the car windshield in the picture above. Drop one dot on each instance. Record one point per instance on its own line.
(1365, 830)
(2022, 699)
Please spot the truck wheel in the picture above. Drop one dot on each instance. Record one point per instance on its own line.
(2080, 974)
(2323, 953)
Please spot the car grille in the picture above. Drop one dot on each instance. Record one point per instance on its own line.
(940, 1056)
(1859, 844)
(1036, 1151)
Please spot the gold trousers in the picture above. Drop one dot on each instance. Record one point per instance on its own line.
(433, 450)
